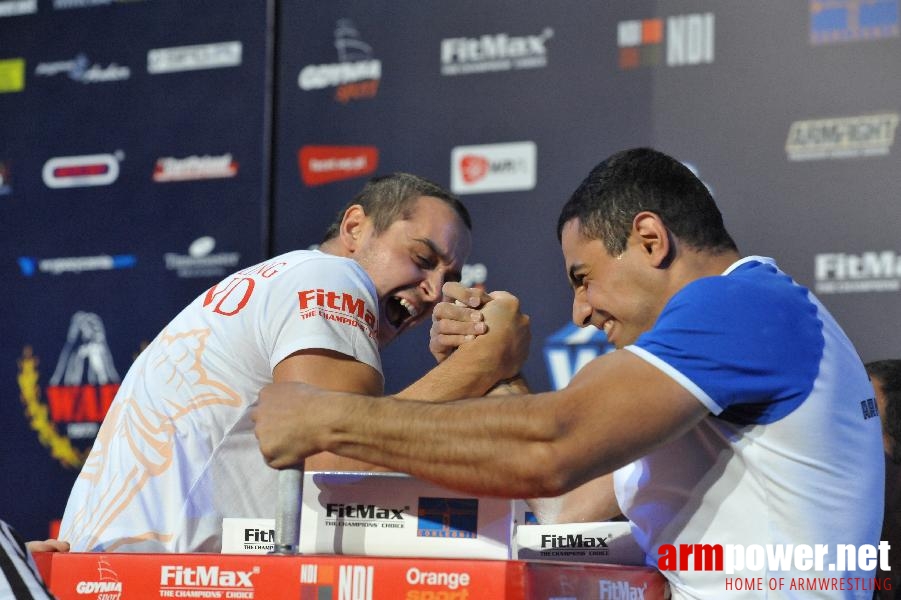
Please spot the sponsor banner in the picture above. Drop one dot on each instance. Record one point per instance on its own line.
(81, 171)
(30, 266)
(355, 76)
(124, 576)
(248, 536)
(194, 167)
(842, 137)
(81, 69)
(609, 542)
(78, 393)
(72, 4)
(494, 52)
(494, 168)
(390, 514)
(200, 261)
(569, 349)
(194, 58)
(834, 21)
(12, 75)
(679, 40)
(326, 164)
(13, 8)
(867, 272)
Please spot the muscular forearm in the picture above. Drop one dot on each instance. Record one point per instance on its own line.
(494, 446)
(464, 374)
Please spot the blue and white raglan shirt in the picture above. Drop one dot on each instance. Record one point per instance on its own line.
(791, 452)
(177, 452)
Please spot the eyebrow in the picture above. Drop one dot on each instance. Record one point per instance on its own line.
(441, 255)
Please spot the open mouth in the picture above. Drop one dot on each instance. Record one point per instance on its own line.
(399, 311)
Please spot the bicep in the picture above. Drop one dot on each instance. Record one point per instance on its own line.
(621, 408)
(329, 370)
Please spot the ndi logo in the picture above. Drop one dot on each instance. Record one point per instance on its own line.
(448, 517)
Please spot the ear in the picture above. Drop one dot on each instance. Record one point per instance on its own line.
(351, 231)
(653, 238)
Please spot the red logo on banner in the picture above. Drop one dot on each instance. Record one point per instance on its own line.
(324, 164)
(473, 167)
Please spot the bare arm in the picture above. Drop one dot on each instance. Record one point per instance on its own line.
(616, 409)
(332, 371)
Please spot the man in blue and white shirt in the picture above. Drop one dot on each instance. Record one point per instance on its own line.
(734, 412)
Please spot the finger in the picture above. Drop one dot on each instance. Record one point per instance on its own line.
(455, 312)
(442, 343)
(474, 297)
(452, 327)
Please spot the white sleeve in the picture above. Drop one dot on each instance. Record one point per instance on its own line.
(328, 303)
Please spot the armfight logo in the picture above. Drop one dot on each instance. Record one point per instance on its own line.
(833, 21)
(494, 168)
(873, 271)
(79, 392)
(841, 137)
(355, 76)
(689, 41)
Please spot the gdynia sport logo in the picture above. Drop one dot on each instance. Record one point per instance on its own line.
(783, 566)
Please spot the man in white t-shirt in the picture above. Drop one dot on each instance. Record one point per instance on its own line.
(176, 453)
(735, 414)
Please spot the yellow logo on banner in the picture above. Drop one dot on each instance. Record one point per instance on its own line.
(12, 75)
(60, 446)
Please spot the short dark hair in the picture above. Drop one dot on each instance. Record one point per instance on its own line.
(388, 198)
(643, 179)
(888, 372)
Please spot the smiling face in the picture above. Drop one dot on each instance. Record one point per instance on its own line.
(619, 294)
(410, 261)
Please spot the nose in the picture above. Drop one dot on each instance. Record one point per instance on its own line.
(581, 310)
(431, 287)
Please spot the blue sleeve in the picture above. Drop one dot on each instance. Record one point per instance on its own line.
(748, 348)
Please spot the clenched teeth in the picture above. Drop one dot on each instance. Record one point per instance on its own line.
(410, 308)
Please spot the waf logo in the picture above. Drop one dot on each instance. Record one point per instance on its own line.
(340, 307)
(325, 164)
(688, 38)
(106, 587)
(448, 517)
(493, 168)
(355, 76)
(82, 171)
(79, 393)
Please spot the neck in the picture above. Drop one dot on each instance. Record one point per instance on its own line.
(333, 246)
